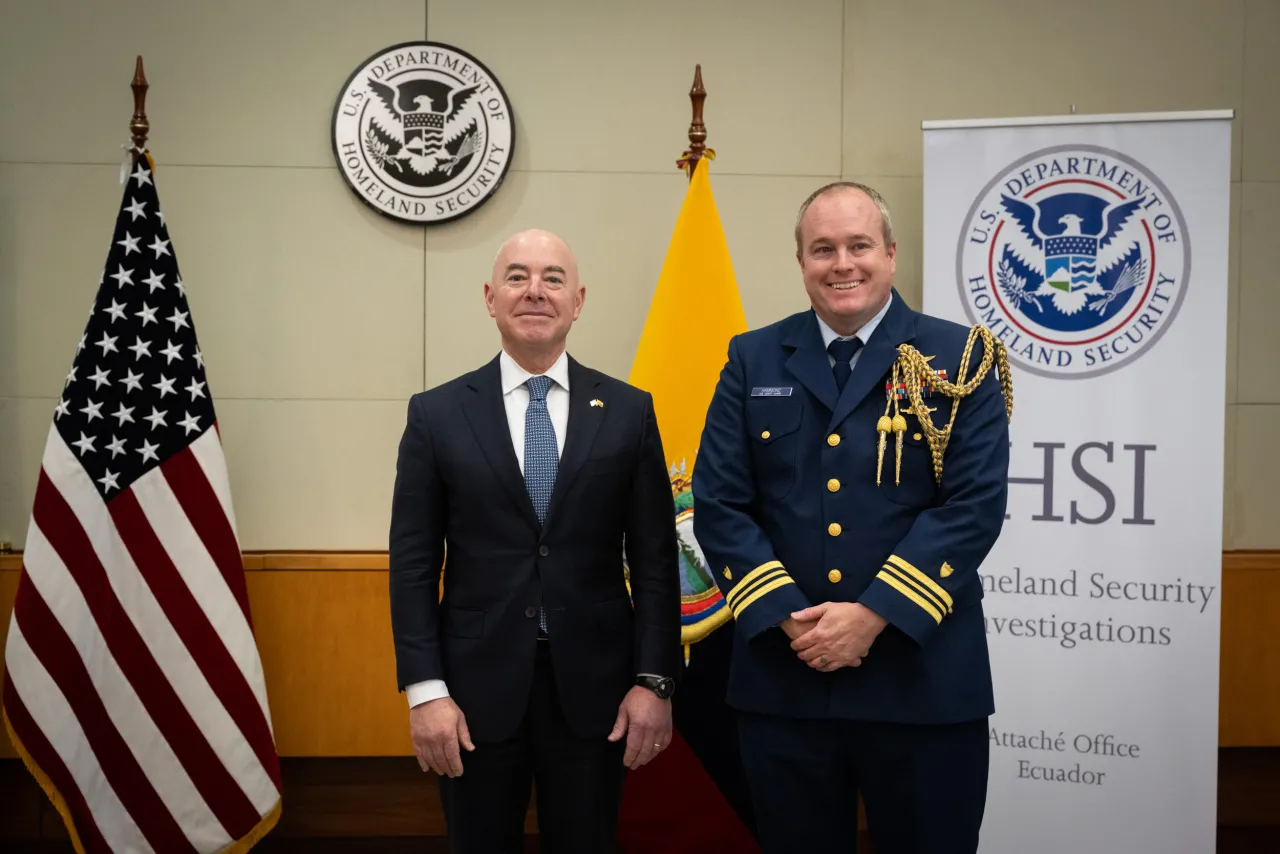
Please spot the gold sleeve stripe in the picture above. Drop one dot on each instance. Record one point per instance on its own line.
(902, 576)
(919, 576)
(743, 590)
(748, 579)
(910, 594)
(772, 585)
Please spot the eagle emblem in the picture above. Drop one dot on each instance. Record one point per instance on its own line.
(422, 130)
(1077, 257)
(1069, 253)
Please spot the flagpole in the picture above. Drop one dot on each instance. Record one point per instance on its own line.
(138, 124)
(697, 130)
(714, 810)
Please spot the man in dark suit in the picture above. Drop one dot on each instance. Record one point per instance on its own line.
(525, 481)
(846, 522)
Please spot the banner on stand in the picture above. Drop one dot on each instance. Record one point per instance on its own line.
(1095, 248)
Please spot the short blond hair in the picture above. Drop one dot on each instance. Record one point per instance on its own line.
(885, 218)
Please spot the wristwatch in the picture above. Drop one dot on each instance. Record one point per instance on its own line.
(663, 686)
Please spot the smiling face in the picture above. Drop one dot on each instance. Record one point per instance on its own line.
(534, 293)
(845, 260)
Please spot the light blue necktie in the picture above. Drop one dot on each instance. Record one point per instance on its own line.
(541, 458)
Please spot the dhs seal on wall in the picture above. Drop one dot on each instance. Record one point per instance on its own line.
(423, 132)
(1077, 258)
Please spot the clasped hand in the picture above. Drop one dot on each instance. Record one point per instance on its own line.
(834, 634)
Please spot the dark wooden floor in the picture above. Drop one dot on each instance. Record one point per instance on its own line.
(387, 806)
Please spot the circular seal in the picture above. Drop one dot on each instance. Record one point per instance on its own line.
(1077, 258)
(423, 132)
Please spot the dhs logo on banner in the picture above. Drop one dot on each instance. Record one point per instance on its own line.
(423, 132)
(1077, 258)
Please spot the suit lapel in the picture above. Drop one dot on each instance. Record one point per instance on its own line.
(485, 412)
(580, 434)
(809, 362)
(896, 327)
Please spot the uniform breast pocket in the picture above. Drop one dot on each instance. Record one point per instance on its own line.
(773, 424)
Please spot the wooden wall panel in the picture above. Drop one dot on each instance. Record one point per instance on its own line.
(325, 641)
(1249, 690)
(323, 628)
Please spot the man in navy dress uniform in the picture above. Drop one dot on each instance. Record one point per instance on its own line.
(845, 523)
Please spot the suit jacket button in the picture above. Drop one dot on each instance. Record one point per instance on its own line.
(833, 440)
(530, 612)
(834, 529)
(833, 485)
(834, 576)
(544, 551)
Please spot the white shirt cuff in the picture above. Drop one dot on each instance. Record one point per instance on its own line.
(424, 692)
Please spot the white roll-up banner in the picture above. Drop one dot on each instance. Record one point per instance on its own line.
(1095, 248)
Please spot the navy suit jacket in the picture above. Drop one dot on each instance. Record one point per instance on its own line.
(788, 513)
(460, 505)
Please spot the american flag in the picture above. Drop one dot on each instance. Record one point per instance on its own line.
(133, 686)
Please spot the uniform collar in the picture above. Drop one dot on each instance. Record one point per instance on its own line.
(863, 334)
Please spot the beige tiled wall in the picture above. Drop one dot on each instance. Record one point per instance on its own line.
(936, 59)
(319, 317)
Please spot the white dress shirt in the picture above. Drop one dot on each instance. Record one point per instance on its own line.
(864, 334)
(515, 399)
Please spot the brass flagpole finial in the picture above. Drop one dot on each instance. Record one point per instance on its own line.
(697, 149)
(697, 130)
(138, 125)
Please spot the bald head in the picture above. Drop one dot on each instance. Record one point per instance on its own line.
(534, 295)
(534, 242)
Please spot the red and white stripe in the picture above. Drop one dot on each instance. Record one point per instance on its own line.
(134, 682)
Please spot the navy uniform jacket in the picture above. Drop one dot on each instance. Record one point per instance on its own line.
(788, 515)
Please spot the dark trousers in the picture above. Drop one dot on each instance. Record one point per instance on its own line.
(579, 784)
(924, 787)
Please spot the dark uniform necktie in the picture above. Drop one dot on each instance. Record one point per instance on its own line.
(541, 458)
(842, 350)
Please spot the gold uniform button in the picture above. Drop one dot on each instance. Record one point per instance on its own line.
(834, 576)
(834, 529)
(764, 435)
(916, 436)
(833, 440)
(833, 485)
